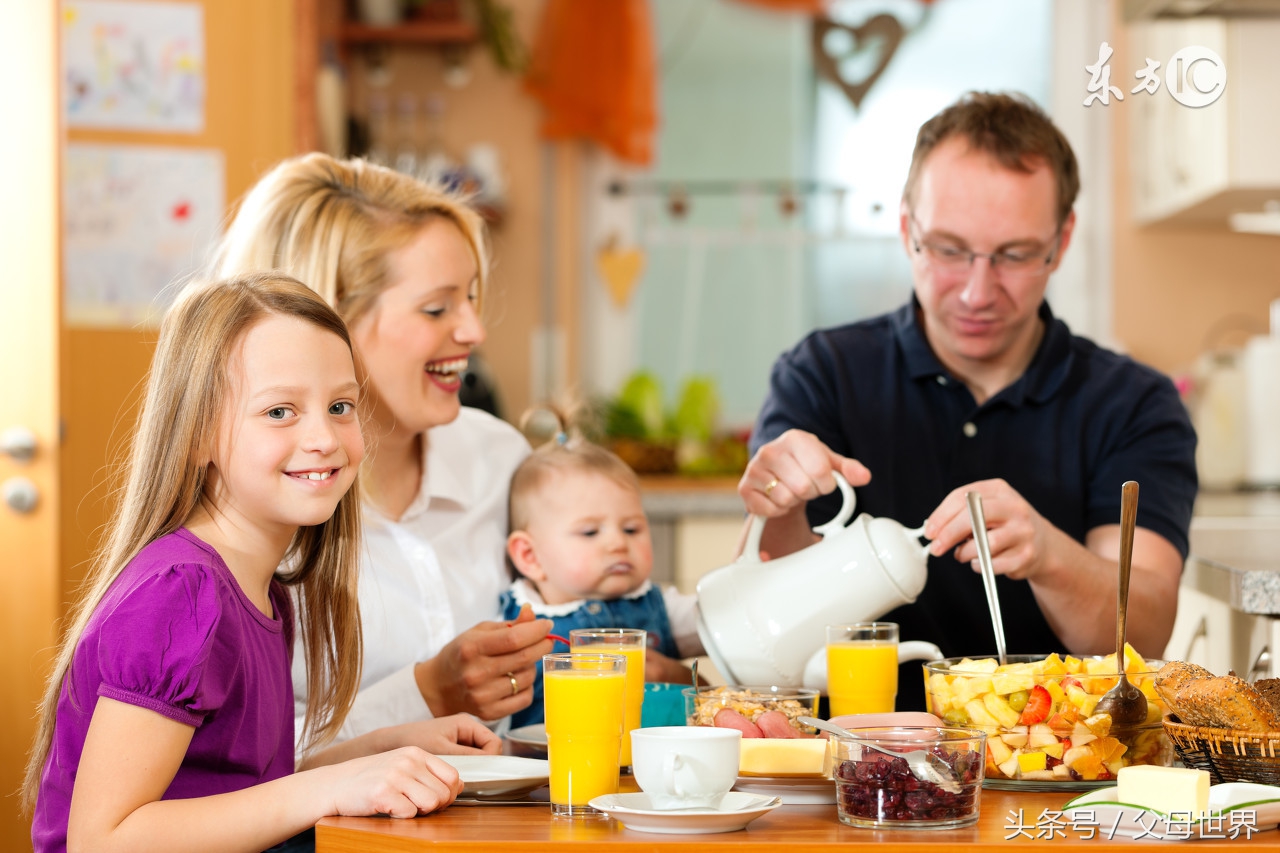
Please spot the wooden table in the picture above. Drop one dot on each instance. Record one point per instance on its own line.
(788, 829)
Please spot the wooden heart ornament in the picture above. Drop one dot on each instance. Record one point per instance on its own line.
(872, 43)
(620, 269)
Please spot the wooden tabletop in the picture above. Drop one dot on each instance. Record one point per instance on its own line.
(789, 828)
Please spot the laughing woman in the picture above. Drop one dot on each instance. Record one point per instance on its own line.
(405, 266)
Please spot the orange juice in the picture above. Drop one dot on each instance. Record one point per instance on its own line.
(633, 698)
(584, 733)
(862, 676)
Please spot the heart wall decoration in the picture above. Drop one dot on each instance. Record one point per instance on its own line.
(854, 57)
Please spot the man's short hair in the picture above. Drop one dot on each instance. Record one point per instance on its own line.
(1010, 128)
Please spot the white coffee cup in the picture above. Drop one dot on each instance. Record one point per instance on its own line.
(683, 767)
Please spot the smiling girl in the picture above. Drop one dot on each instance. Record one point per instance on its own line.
(167, 723)
(405, 265)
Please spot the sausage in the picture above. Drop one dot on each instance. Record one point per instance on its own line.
(776, 724)
(727, 718)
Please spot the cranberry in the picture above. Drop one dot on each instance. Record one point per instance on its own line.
(883, 788)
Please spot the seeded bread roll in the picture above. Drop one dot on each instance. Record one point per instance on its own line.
(1225, 702)
(1172, 677)
(1270, 690)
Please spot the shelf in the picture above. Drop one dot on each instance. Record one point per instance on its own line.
(409, 32)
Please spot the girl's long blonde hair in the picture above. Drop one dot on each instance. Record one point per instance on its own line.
(333, 223)
(187, 390)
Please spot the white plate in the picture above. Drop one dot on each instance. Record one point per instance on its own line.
(534, 736)
(793, 790)
(1129, 821)
(491, 775)
(634, 811)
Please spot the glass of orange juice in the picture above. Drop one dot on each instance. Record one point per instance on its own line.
(630, 643)
(583, 698)
(862, 667)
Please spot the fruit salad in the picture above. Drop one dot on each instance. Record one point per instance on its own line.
(1039, 714)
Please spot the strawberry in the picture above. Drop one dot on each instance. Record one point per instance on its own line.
(1037, 707)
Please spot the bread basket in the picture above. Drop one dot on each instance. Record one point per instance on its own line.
(1230, 755)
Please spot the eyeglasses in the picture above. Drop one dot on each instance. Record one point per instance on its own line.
(956, 260)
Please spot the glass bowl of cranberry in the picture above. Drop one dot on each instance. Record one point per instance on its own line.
(909, 777)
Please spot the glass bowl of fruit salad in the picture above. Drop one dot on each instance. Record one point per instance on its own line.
(1038, 713)
(757, 711)
(909, 777)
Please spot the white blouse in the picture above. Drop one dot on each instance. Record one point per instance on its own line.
(432, 574)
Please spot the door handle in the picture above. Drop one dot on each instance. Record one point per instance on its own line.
(18, 443)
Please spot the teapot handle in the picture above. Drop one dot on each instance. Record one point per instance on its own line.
(751, 551)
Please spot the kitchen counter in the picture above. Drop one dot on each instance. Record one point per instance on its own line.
(1235, 550)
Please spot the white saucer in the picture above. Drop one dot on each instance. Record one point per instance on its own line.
(635, 811)
(1230, 800)
(793, 790)
(492, 775)
(534, 736)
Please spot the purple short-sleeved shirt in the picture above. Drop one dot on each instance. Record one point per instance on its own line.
(175, 634)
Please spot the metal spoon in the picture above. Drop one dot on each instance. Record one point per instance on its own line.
(1125, 703)
(925, 766)
(979, 521)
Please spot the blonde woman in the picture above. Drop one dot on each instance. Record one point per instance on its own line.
(167, 722)
(405, 266)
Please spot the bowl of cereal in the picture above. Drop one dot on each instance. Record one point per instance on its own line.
(756, 711)
(1039, 715)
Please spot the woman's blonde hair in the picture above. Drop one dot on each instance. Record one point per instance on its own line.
(188, 388)
(332, 224)
(567, 450)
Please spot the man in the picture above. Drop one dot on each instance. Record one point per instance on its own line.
(975, 386)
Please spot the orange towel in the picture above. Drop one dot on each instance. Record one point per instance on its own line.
(593, 69)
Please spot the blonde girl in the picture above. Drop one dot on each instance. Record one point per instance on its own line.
(405, 266)
(167, 723)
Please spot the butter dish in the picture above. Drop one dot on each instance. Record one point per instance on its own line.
(1236, 809)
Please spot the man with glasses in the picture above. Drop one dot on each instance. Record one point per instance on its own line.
(976, 386)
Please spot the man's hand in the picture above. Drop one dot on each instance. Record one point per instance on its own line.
(474, 672)
(1019, 536)
(782, 478)
(1074, 583)
(792, 470)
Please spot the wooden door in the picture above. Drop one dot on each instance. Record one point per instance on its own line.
(29, 358)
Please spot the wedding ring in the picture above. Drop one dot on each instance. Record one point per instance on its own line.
(515, 685)
(773, 484)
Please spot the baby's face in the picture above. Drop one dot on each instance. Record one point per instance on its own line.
(591, 537)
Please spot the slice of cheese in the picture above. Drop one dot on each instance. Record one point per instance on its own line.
(782, 756)
(1164, 789)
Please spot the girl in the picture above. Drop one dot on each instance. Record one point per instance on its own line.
(167, 723)
(405, 266)
(580, 541)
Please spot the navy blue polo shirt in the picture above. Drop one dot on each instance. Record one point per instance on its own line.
(1066, 435)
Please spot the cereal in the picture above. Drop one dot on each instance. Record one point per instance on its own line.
(751, 703)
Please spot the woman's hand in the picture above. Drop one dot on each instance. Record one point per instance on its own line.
(456, 734)
(403, 783)
(658, 667)
(487, 670)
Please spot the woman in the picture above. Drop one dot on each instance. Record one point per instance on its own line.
(405, 266)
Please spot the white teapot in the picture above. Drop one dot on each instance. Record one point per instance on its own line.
(764, 622)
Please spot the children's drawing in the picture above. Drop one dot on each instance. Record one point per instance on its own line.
(137, 66)
(135, 219)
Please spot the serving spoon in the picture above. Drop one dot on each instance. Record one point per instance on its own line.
(925, 766)
(1125, 703)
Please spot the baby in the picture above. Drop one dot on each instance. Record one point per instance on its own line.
(580, 541)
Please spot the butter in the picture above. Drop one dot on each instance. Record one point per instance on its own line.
(782, 756)
(1169, 790)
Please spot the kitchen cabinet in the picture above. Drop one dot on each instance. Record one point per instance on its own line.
(1200, 164)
